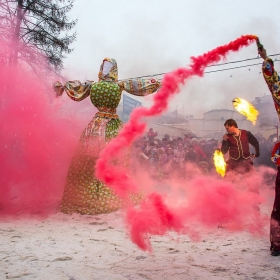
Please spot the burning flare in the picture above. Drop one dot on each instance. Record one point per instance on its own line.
(246, 109)
(219, 163)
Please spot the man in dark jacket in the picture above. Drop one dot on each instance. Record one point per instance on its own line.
(236, 141)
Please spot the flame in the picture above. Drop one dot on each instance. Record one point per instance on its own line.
(219, 163)
(246, 109)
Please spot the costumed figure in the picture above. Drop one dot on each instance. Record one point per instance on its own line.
(273, 81)
(84, 193)
(236, 142)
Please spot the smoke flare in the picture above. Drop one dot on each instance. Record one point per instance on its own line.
(219, 163)
(246, 109)
(113, 176)
(154, 215)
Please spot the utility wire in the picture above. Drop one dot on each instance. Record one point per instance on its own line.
(218, 70)
(237, 61)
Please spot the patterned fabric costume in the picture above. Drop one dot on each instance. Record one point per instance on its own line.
(273, 81)
(239, 152)
(83, 193)
(275, 214)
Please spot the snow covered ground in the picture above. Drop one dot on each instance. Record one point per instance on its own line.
(75, 247)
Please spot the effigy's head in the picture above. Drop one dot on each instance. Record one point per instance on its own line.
(108, 70)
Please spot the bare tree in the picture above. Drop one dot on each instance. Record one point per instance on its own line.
(35, 32)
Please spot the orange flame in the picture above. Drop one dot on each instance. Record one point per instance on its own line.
(246, 109)
(219, 163)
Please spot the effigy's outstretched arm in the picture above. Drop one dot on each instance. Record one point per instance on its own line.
(271, 76)
(140, 87)
(76, 90)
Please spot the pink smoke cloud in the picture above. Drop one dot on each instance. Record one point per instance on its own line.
(205, 201)
(35, 146)
(211, 201)
(105, 171)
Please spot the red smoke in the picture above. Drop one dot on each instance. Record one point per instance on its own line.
(203, 200)
(210, 201)
(35, 146)
(110, 174)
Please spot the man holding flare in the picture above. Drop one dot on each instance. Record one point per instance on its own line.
(236, 141)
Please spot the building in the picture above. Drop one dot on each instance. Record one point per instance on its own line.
(212, 123)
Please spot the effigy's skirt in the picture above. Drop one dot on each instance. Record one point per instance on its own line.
(83, 193)
(275, 216)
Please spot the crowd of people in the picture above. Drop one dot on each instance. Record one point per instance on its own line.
(170, 154)
(266, 147)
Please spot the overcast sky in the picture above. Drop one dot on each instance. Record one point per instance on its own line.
(150, 37)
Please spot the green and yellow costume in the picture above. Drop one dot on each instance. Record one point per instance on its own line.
(84, 193)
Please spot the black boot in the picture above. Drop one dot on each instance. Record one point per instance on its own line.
(275, 253)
